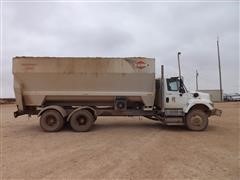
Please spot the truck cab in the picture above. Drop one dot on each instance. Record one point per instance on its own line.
(195, 106)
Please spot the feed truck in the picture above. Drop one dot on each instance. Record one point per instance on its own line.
(76, 90)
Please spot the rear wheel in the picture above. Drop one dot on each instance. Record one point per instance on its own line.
(197, 120)
(51, 121)
(81, 121)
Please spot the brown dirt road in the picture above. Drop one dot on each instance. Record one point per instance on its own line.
(122, 148)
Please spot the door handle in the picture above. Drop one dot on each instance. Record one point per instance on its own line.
(167, 99)
(180, 94)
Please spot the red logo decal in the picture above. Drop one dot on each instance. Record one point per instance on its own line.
(141, 64)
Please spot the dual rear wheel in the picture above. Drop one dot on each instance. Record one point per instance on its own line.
(51, 121)
(80, 121)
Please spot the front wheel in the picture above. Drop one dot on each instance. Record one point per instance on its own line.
(196, 120)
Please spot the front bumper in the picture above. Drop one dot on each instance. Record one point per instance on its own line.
(216, 112)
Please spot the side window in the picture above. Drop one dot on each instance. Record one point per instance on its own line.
(172, 85)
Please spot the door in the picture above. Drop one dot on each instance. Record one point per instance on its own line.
(173, 98)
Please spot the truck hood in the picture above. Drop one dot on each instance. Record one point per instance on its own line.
(201, 95)
(204, 95)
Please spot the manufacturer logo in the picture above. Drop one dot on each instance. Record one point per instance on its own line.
(141, 64)
(28, 66)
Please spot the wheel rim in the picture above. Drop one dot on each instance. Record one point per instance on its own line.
(81, 120)
(196, 121)
(51, 120)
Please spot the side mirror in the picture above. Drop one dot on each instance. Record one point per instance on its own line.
(195, 95)
(181, 89)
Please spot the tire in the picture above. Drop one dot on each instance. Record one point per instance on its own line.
(81, 121)
(51, 121)
(197, 120)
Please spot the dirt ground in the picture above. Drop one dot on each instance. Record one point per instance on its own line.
(121, 148)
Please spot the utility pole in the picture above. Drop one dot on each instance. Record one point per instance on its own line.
(179, 68)
(197, 80)
(219, 67)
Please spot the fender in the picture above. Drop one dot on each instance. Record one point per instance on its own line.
(93, 111)
(194, 102)
(60, 109)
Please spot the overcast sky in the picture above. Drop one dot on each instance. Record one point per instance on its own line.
(156, 30)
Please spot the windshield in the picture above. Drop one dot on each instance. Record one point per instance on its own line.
(173, 84)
